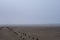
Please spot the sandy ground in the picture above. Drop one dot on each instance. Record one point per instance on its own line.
(29, 33)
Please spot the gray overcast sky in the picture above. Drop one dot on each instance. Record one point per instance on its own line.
(29, 11)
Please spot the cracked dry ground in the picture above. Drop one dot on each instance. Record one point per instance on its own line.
(24, 33)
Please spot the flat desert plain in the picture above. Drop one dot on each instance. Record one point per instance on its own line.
(29, 33)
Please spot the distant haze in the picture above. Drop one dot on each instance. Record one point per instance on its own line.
(29, 11)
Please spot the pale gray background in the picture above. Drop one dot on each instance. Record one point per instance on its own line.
(29, 11)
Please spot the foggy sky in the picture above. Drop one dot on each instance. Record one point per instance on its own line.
(29, 11)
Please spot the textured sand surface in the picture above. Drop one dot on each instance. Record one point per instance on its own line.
(29, 33)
